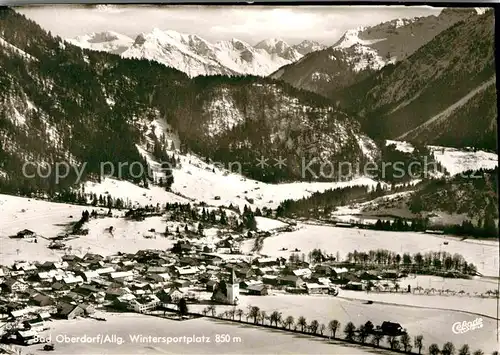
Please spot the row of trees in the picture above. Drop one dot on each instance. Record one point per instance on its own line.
(418, 261)
(364, 334)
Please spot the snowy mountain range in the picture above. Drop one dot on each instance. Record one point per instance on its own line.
(364, 50)
(195, 56)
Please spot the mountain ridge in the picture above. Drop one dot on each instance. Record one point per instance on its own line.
(361, 51)
(196, 56)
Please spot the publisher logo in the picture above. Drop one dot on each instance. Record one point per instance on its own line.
(464, 327)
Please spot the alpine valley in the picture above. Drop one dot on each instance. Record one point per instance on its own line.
(150, 173)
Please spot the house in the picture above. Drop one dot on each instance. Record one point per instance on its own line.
(303, 273)
(325, 270)
(144, 304)
(105, 270)
(59, 287)
(171, 295)
(88, 308)
(17, 273)
(115, 292)
(13, 285)
(91, 257)
(159, 277)
(42, 300)
(355, 286)
(3, 272)
(44, 316)
(26, 233)
(35, 324)
(122, 275)
(72, 280)
(270, 280)
(244, 272)
(157, 270)
(69, 311)
(26, 267)
(265, 261)
(258, 290)
(314, 288)
(343, 225)
(186, 270)
(26, 337)
(244, 284)
(211, 285)
(390, 274)
(368, 275)
(89, 275)
(70, 258)
(340, 271)
(290, 280)
(265, 270)
(182, 283)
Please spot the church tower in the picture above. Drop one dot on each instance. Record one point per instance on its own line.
(233, 289)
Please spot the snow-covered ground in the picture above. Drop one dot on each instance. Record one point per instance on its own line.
(474, 286)
(454, 160)
(354, 213)
(477, 305)
(268, 224)
(402, 146)
(242, 339)
(45, 218)
(134, 194)
(197, 180)
(434, 325)
(344, 240)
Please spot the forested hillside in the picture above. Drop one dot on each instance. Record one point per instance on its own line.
(62, 103)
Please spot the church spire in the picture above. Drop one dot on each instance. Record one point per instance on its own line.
(233, 277)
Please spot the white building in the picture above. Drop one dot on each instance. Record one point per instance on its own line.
(233, 289)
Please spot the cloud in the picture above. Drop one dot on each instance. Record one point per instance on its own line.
(249, 23)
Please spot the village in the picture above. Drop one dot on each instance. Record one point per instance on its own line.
(34, 293)
(204, 268)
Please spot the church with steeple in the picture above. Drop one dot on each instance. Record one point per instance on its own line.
(227, 292)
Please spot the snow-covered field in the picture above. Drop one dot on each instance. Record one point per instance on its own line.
(134, 194)
(354, 213)
(43, 217)
(477, 305)
(244, 339)
(476, 285)
(434, 325)
(483, 254)
(268, 224)
(454, 160)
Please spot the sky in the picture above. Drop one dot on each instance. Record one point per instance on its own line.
(324, 24)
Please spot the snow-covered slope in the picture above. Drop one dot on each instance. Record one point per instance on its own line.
(215, 185)
(108, 41)
(361, 55)
(454, 160)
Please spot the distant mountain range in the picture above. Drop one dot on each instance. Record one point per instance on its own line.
(364, 50)
(195, 56)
